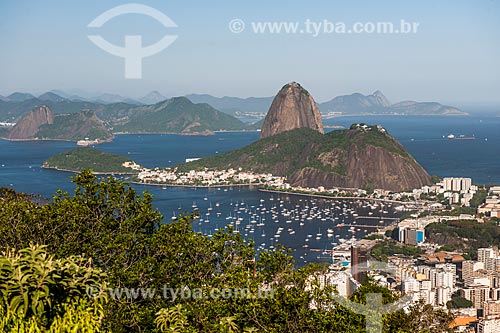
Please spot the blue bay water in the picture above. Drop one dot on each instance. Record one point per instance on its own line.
(20, 168)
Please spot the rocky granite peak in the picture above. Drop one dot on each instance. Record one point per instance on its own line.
(293, 107)
(380, 99)
(30, 124)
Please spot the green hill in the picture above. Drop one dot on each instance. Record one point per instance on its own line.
(77, 126)
(42, 124)
(88, 158)
(360, 157)
(176, 115)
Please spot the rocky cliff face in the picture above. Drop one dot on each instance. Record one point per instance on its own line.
(365, 167)
(41, 123)
(293, 107)
(76, 126)
(28, 126)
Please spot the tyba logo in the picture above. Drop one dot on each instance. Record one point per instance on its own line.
(132, 51)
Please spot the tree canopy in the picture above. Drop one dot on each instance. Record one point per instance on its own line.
(108, 239)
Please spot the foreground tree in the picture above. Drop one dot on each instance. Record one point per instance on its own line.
(39, 293)
(123, 235)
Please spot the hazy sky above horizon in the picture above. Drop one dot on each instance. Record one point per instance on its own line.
(453, 58)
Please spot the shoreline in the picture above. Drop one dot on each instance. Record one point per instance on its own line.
(257, 186)
(397, 115)
(194, 186)
(57, 140)
(332, 197)
(185, 134)
(94, 172)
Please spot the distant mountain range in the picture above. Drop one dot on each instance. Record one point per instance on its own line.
(357, 103)
(153, 98)
(234, 105)
(102, 98)
(14, 106)
(59, 96)
(377, 103)
(354, 104)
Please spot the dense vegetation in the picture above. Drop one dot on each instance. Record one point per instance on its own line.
(375, 137)
(389, 247)
(126, 245)
(76, 126)
(464, 235)
(177, 115)
(4, 131)
(88, 158)
(459, 302)
(261, 154)
(290, 151)
(479, 198)
(39, 293)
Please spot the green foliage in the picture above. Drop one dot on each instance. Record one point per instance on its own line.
(376, 236)
(123, 235)
(80, 159)
(459, 302)
(289, 152)
(263, 154)
(373, 137)
(419, 319)
(457, 211)
(76, 126)
(177, 115)
(393, 233)
(464, 235)
(435, 179)
(479, 198)
(4, 131)
(173, 319)
(39, 293)
(389, 247)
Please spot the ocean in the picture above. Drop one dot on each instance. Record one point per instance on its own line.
(297, 222)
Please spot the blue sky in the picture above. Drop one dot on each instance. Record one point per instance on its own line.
(453, 58)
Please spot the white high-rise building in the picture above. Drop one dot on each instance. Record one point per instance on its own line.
(411, 285)
(466, 184)
(457, 184)
(443, 296)
(490, 264)
(468, 269)
(448, 184)
(443, 279)
(483, 254)
(476, 294)
(488, 326)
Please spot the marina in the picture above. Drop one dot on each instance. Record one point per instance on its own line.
(310, 227)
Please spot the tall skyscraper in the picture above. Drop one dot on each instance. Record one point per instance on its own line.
(359, 265)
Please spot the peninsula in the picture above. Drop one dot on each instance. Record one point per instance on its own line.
(79, 159)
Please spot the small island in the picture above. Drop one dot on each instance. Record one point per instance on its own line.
(78, 159)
